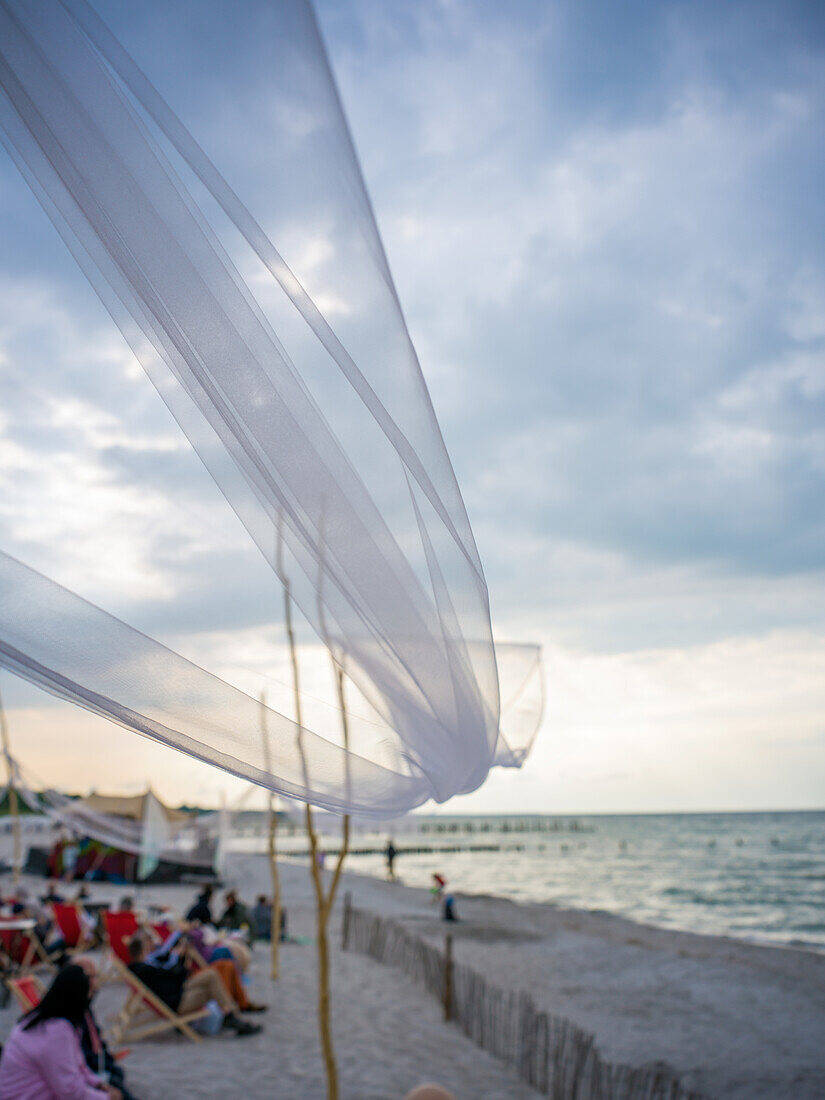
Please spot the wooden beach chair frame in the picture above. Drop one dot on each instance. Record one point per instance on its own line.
(34, 955)
(196, 957)
(108, 972)
(24, 998)
(129, 1026)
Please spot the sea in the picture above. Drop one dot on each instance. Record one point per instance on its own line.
(756, 876)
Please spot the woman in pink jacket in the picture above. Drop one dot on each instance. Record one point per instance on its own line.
(42, 1059)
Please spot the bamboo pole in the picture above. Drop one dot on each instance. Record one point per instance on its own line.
(14, 808)
(272, 830)
(275, 926)
(323, 900)
(325, 1029)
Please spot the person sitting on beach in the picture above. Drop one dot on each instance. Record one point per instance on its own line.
(235, 916)
(184, 992)
(99, 1058)
(42, 1058)
(230, 958)
(44, 929)
(167, 954)
(200, 911)
(20, 905)
(262, 918)
(212, 945)
(52, 894)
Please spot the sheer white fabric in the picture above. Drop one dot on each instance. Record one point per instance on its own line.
(331, 457)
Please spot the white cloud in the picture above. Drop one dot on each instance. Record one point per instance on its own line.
(731, 725)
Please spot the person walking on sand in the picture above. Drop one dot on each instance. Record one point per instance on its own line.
(391, 852)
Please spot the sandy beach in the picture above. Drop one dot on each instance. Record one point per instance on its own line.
(733, 1019)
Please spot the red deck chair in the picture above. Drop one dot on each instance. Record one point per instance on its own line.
(21, 951)
(28, 991)
(67, 919)
(163, 930)
(118, 929)
(144, 1014)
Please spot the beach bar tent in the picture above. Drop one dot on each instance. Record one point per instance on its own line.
(123, 838)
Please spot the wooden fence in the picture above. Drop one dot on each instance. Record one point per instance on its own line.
(555, 1056)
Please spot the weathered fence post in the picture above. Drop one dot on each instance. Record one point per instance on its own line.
(347, 915)
(448, 978)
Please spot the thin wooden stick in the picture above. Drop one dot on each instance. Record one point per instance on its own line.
(320, 901)
(339, 682)
(275, 925)
(323, 902)
(448, 978)
(13, 806)
(272, 829)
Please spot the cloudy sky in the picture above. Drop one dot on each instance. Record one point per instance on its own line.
(605, 225)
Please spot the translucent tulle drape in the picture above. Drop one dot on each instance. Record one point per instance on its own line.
(312, 415)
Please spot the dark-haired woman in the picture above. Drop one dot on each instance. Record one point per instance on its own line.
(42, 1059)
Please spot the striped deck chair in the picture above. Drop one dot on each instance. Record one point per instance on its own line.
(145, 1014)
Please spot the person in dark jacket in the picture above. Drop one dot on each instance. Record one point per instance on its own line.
(235, 915)
(200, 911)
(184, 992)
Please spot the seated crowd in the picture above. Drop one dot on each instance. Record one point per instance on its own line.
(57, 1050)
